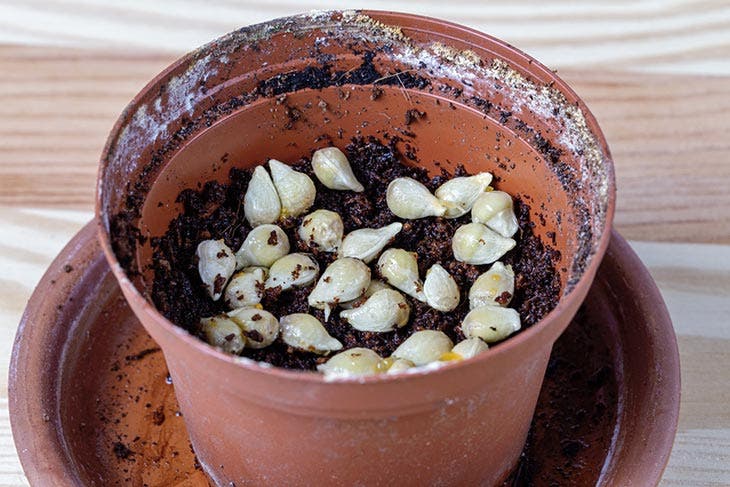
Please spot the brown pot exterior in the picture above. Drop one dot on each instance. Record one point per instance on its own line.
(430, 428)
(464, 423)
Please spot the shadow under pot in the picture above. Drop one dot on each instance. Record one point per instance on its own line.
(438, 94)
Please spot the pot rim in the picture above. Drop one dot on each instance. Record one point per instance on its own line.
(522, 339)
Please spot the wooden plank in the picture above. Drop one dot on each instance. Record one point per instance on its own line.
(668, 136)
(56, 109)
(68, 69)
(650, 35)
(28, 243)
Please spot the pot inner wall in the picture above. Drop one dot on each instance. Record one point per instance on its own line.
(286, 88)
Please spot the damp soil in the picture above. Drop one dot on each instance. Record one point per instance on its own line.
(215, 211)
(571, 431)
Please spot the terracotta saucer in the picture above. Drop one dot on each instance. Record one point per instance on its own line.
(91, 402)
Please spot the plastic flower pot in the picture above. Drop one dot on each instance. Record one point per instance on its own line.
(259, 93)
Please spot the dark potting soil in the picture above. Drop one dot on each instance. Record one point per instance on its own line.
(216, 211)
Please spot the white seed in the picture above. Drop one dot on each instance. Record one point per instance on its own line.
(246, 288)
(295, 189)
(407, 198)
(504, 223)
(293, 270)
(353, 362)
(382, 312)
(495, 209)
(223, 333)
(305, 332)
(343, 280)
(424, 347)
(400, 365)
(462, 192)
(476, 244)
(261, 203)
(216, 264)
(490, 323)
(263, 246)
(493, 285)
(470, 347)
(399, 268)
(440, 289)
(489, 204)
(367, 243)
(322, 229)
(375, 286)
(333, 170)
(259, 328)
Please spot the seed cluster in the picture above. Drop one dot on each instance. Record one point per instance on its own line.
(368, 304)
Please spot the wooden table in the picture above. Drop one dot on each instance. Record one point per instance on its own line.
(656, 75)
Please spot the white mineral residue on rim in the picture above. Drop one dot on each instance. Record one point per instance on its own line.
(148, 124)
(524, 94)
(465, 65)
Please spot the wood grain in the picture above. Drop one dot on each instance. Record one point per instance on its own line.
(668, 36)
(56, 109)
(668, 136)
(29, 241)
(655, 73)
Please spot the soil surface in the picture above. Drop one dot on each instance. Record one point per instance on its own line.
(215, 211)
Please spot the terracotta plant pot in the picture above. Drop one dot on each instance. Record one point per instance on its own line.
(284, 88)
